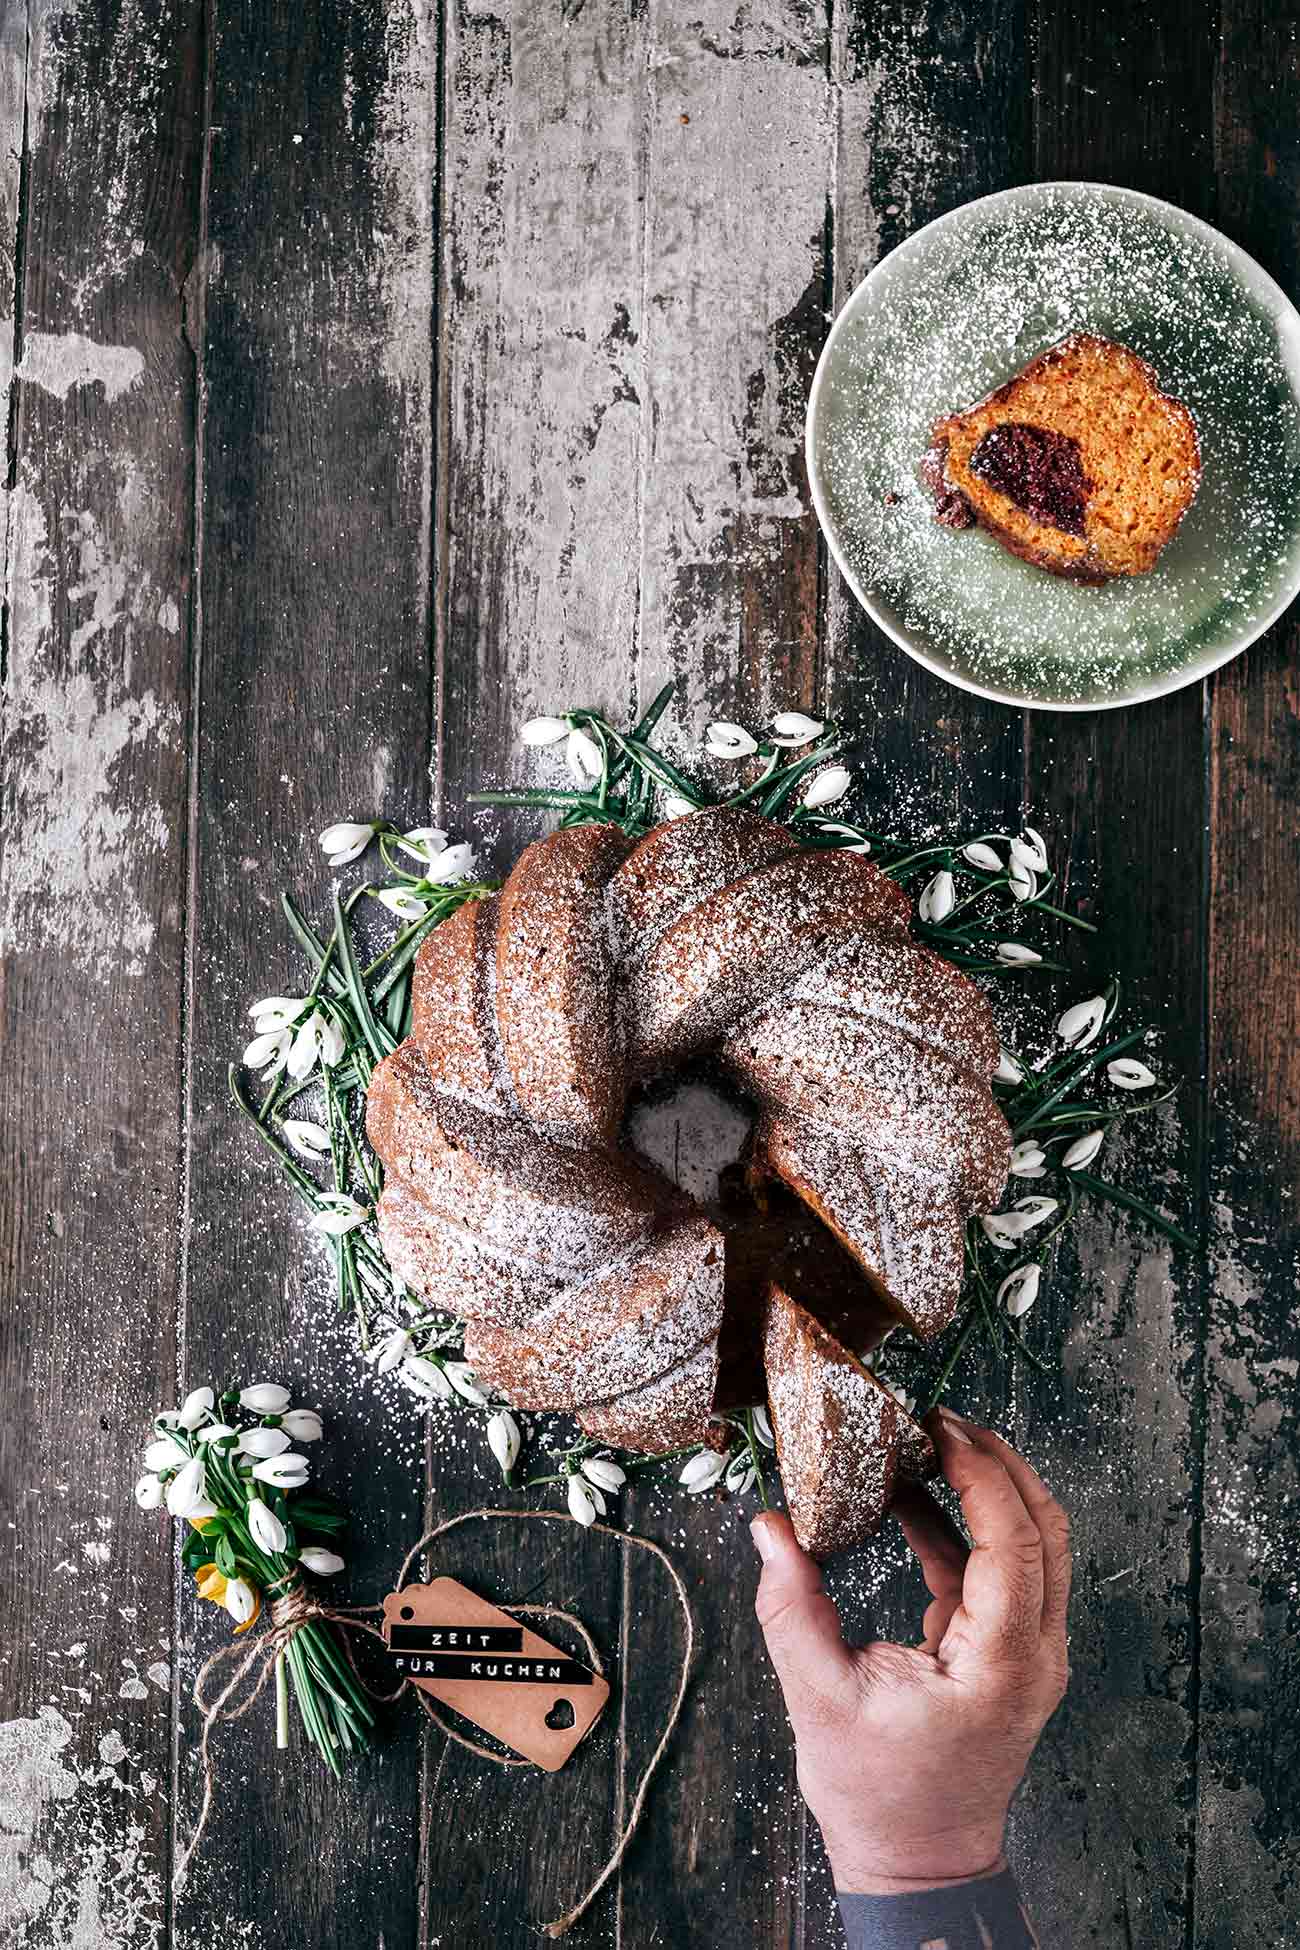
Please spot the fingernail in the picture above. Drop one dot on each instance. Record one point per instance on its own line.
(955, 1427)
(762, 1537)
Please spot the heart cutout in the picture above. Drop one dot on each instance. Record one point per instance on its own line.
(560, 1716)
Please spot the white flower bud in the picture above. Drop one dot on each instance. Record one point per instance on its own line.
(163, 1453)
(503, 1439)
(1022, 880)
(263, 1442)
(1126, 1073)
(461, 1376)
(1081, 1023)
(215, 1432)
(343, 1215)
(276, 1012)
(149, 1493)
(187, 1489)
(1019, 1290)
(425, 1378)
(320, 1562)
(1010, 1069)
(264, 1527)
(763, 1427)
(345, 842)
(978, 854)
(1083, 1150)
(938, 899)
(582, 1501)
(287, 1472)
(741, 1474)
(857, 843)
(543, 731)
(702, 1471)
(724, 740)
(1031, 850)
(604, 1472)
(828, 787)
(791, 728)
(1016, 955)
(240, 1600)
(452, 864)
(583, 757)
(675, 807)
(308, 1140)
(403, 903)
(303, 1424)
(393, 1351)
(1027, 1160)
(1004, 1229)
(268, 1053)
(264, 1398)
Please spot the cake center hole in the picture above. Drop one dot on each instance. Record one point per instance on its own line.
(692, 1131)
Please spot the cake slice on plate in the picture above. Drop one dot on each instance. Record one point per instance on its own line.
(1080, 464)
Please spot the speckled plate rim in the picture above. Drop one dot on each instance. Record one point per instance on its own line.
(1251, 273)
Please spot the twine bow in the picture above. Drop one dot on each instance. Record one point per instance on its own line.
(252, 1661)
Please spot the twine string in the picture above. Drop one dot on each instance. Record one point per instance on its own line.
(292, 1607)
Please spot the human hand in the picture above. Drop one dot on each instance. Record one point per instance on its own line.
(908, 1756)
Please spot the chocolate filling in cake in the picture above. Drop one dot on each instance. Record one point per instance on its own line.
(1041, 471)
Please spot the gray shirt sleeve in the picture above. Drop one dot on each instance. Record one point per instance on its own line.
(985, 1914)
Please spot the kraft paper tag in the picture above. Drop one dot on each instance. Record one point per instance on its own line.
(508, 1680)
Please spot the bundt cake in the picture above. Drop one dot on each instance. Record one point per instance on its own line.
(1080, 464)
(587, 1281)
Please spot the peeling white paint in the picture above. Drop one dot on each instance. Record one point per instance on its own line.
(70, 734)
(58, 361)
(58, 1808)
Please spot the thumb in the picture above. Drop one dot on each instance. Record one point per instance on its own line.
(801, 1627)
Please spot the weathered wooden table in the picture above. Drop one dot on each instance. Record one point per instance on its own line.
(382, 376)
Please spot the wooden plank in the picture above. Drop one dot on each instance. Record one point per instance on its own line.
(540, 433)
(931, 114)
(739, 174)
(100, 105)
(1248, 1861)
(313, 307)
(1124, 96)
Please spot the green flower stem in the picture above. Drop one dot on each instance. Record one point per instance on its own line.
(949, 1365)
(1101, 1189)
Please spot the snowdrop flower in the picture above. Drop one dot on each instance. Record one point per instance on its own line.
(303, 1424)
(343, 1215)
(741, 1474)
(543, 731)
(264, 1398)
(276, 1012)
(264, 1527)
(308, 1140)
(215, 1432)
(827, 787)
(583, 757)
(423, 841)
(702, 1471)
(604, 1472)
(149, 1493)
(453, 863)
(979, 854)
(1036, 1210)
(287, 1472)
(1019, 1290)
(187, 1489)
(675, 807)
(763, 1427)
(723, 740)
(1083, 1150)
(791, 728)
(346, 842)
(425, 1379)
(503, 1439)
(849, 833)
(1010, 1069)
(582, 1501)
(261, 1443)
(239, 1600)
(196, 1405)
(321, 1563)
(318, 1038)
(938, 899)
(1004, 1229)
(393, 1351)
(1021, 880)
(1081, 1024)
(461, 1376)
(402, 902)
(1126, 1073)
(165, 1454)
(1016, 955)
(268, 1053)
(1030, 850)
(1027, 1160)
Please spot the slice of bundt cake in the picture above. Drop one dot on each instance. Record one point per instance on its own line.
(842, 1439)
(1080, 464)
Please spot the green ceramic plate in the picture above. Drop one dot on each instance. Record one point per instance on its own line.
(961, 307)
